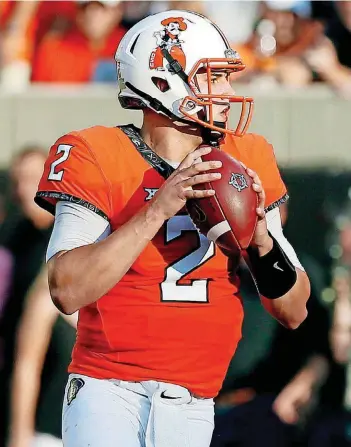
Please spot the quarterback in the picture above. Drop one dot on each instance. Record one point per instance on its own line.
(159, 311)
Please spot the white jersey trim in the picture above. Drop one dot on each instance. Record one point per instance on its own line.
(74, 227)
(274, 225)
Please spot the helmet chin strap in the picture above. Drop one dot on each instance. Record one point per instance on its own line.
(212, 137)
(209, 136)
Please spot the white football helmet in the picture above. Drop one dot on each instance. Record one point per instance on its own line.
(173, 46)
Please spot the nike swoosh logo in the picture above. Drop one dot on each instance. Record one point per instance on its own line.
(276, 266)
(167, 397)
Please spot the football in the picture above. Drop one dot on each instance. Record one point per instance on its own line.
(228, 218)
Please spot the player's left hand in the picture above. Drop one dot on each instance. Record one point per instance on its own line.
(261, 238)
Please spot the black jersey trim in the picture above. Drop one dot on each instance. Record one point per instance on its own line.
(277, 203)
(41, 196)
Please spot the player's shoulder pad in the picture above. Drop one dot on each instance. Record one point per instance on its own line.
(253, 141)
(103, 143)
(95, 135)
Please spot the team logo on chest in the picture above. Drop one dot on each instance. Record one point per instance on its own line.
(238, 181)
(150, 193)
(74, 386)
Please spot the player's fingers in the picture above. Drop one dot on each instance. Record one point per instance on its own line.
(201, 178)
(198, 193)
(260, 191)
(254, 176)
(200, 167)
(192, 156)
(261, 200)
(260, 205)
(260, 212)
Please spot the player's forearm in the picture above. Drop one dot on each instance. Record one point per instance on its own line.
(290, 309)
(81, 276)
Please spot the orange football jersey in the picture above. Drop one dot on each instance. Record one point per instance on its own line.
(176, 315)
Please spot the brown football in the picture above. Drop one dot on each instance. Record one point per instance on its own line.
(228, 218)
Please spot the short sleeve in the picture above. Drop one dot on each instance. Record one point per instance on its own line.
(265, 164)
(72, 174)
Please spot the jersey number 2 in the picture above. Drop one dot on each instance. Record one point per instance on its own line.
(196, 292)
(57, 176)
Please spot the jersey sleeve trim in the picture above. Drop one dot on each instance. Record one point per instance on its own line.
(41, 196)
(278, 202)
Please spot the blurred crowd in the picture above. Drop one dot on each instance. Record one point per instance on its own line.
(283, 388)
(293, 43)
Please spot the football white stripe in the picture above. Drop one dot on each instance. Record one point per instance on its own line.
(218, 230)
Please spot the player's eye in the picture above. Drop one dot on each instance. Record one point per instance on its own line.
(216, 77)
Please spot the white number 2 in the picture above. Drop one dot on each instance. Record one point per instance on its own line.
(57, 176)
(197, 290)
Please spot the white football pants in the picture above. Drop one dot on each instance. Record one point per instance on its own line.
(115, 413)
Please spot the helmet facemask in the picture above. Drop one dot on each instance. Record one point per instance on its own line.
(209, 99)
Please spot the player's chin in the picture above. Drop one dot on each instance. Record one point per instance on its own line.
(221, 118)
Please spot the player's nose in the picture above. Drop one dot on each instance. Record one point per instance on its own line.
(229, 89)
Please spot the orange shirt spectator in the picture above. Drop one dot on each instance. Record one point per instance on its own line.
(71, 59)
(278, 44)
(75, 56)
(24, 23)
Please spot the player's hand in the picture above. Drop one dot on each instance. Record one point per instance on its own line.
(261, 238)
(177, 189)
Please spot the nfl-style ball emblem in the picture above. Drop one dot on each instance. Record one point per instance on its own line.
(74, 386)
(238, 181)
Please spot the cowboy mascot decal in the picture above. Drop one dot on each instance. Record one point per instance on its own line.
(168, 39)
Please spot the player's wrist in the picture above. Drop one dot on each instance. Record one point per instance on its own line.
(155, 212)
(275, 274)
(265, 245)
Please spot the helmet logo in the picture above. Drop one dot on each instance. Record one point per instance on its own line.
(231, 54)
(168, 39)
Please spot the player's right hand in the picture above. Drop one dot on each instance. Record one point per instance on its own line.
(177, 189)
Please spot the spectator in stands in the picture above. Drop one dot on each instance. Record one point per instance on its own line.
(42, 334)
(281, 36)
(23, 24)
(26, 242)
(332, 423)
(273, 381)
(330, 58)
(16, 42)
(86, 52)
(135, 11)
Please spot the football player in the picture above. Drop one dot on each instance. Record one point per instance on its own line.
(159, 314)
